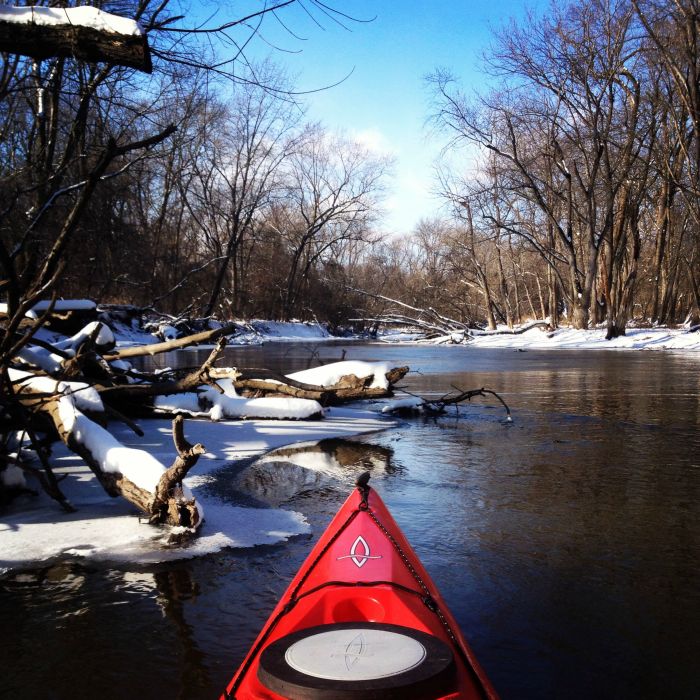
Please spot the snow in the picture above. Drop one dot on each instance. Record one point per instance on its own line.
(290, 330)
(51, 362)
(84, 16)
(409, 403)
(256, 332)
(209, 402)
(657, 338)
(140, 467)
(36, 530)
(168, 332)
(331, 374)
(567, 338)
(104, 338)
(41, 358)
(61, 305)
(136, 465)
(64, 305)
(78, 394)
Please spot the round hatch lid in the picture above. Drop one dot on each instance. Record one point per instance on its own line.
(356, 660)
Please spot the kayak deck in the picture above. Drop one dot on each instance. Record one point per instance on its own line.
(361, 619)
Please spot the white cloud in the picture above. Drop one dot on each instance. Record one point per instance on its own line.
(375, 140)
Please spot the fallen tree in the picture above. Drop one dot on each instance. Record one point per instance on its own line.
(169, 345)
(350, 387)
(430, 323)
(122, 471)
(70, 390)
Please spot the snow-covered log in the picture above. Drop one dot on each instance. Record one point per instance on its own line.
(353, 380)
(513, 331)
(175, 344)
(61, 358)
(329, 384)
(219, 406)
(326, 385)
(123, 471)
(86, 33)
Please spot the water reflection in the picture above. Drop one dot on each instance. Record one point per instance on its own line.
(176, 588)
(290, 472)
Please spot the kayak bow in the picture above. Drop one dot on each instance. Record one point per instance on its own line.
(361, 620)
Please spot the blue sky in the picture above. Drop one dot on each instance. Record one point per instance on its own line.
(384, 102)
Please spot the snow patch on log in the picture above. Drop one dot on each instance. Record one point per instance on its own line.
(412, 403)
(331, 374)
(208, 401)
(106, 452)
(72, 395)
(41, 358)
(140, 467)
(84, 16)
(52, 363)
(104, 338)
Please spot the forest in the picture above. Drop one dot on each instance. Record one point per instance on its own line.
(570, 185)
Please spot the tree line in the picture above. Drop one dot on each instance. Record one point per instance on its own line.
(584, 200)
(570, 187)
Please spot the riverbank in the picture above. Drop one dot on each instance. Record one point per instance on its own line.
(34, 530)
(567, 338)
(257, 332)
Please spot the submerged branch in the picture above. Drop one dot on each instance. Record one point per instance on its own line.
(437, 407)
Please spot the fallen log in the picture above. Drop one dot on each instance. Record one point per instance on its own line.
(129, 393)
(253, 383)
(348, 388)
(152, 488)
(254, 388)
(168, 345)
(513, 331)
(170, 503)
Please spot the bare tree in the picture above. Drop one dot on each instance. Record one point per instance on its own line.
(564, 129)
(69, 129)
(237, 175)
(330, 199)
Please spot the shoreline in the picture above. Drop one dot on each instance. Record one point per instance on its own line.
(661, 338)
(35, 532)
(657, 339)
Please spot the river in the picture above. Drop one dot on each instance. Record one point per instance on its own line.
(566, 543)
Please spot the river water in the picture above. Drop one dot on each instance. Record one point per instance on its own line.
(566, 543)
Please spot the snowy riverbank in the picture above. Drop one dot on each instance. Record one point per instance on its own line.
(679, 339)
(567, 338)
(34, 531)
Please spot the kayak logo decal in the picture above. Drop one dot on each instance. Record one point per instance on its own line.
(359, 553)
(354, 651)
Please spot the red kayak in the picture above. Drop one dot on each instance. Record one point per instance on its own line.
(361, 620)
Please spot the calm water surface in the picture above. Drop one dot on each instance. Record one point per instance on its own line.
(566, 543)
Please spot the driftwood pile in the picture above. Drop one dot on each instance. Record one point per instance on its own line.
(429, 323)
(70, 390)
